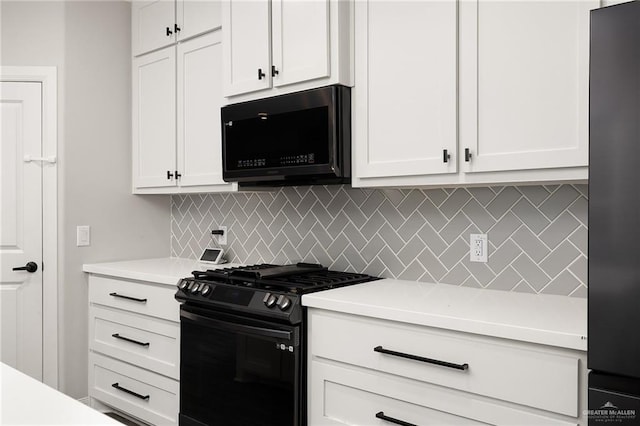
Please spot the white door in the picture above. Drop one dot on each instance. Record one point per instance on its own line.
(247, 45)
(524, 87)
(300, 40)
(154, 119)
(21, 226)
(405, 116)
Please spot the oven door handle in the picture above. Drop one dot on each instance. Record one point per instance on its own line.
(230, 326)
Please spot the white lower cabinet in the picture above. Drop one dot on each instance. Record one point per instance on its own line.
(134, 348)
(135, 391)
(366, 371)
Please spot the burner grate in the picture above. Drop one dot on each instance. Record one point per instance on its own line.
(299, 278)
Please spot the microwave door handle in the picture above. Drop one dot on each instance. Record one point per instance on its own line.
(234, 327)
(333, 152)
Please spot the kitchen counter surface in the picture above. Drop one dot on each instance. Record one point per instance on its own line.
(26, 401)
(544, 319)
(165, 270)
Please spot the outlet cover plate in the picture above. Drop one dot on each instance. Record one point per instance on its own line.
(222, 239)
(478, 246)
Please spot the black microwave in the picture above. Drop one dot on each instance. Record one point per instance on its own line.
(299, 138)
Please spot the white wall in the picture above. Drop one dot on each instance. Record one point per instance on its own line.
(89, 42)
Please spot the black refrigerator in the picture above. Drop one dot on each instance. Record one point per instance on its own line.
(614, 216)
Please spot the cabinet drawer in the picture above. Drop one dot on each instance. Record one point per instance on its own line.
(143, 298)
(353, 406)
(140, 393)
(148, 342)
(525, 374)
(339, 395)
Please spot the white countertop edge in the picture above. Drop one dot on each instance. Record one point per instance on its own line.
(165, 270)
(558, 321)
(26, 401)
(505, 331)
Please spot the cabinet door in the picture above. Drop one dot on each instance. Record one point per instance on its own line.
(247, 45)
(197, 17)
(300, 40)
(524, 84)
(406, 88)
(152, 25)
(154, 117)
(199, 101)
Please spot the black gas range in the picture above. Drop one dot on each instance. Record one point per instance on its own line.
(263, 290)
(243, 340)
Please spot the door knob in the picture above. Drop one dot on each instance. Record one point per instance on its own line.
(29, 267)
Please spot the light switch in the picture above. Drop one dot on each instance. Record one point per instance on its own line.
(83, 235)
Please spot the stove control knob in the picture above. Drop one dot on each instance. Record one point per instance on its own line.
(205, 290)
(183, 284)
(195, 288)
(284, 303)
(270, 300)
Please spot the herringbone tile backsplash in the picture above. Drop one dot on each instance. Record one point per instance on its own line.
(537, 234)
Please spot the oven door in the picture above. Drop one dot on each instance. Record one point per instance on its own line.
(239, 371)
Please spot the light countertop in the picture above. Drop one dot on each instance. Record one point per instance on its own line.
(26, 401)
(545, 319)
(165, 270)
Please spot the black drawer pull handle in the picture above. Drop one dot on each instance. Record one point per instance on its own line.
(130, 392)
(382, 350)
(467, 155)
(445, 156)
(118, 336)
(135, 299)
(380, 415)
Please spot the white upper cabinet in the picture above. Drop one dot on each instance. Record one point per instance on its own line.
(502, 85)
(177, 96)
(525, 86)
(160, 23)
(278, 46)
(405, 116)
(247, 46)
(153, 25)
(300, 40)
(200, 97)
(154, 111)
(195, 17)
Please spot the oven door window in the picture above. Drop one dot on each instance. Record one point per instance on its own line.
(238, 371)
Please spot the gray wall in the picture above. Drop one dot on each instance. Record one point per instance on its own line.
(89, 43)
(537, 234)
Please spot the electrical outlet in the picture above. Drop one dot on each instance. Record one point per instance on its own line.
(478, 244)
(222, 239)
